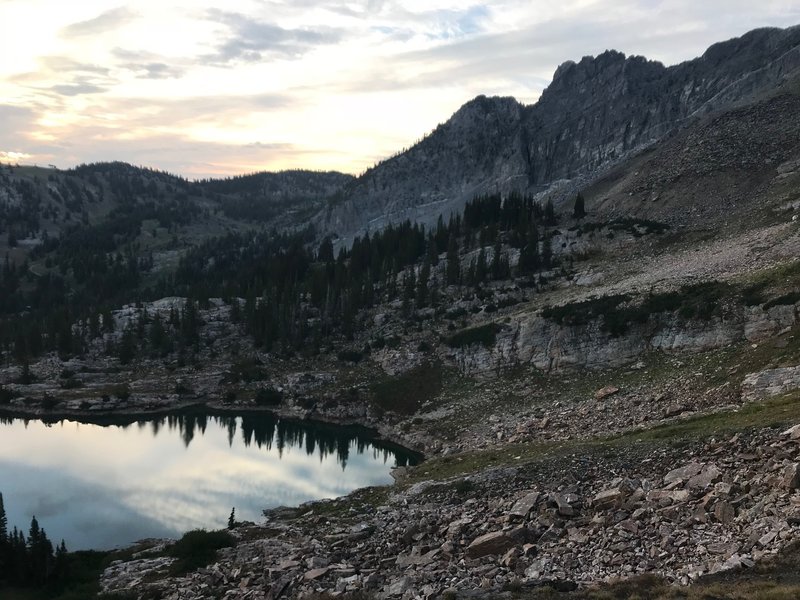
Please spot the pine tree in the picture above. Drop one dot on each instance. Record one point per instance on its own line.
(549, 213)
(453, 272)
(422, 284)
(232, 518)
(3, 521)
(547, 252)
(580, 210)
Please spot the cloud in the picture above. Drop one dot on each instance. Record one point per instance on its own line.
(77, 89)
(110, 19)
(252, 40)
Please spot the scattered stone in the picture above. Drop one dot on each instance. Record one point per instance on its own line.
(605, 392)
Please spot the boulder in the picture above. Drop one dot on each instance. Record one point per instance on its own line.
(607, 499)
(791, 477)
(683, 473)
(524, 505)
(495, 542)
(724, 512)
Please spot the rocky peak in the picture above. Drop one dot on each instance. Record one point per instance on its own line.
(594, 114)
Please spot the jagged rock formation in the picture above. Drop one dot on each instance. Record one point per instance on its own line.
(594, 113)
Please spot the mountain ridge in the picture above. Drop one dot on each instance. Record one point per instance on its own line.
(500, 145)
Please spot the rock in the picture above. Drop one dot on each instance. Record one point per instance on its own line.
(496, 542)
(564, 506)
(399, 586)
(683, 473)
(674, 410)
(724, 512)
(705, 478)
(792, 433)
(791, 477)
(605, 392)
(316, 573)
(524, 505)
(608, 499)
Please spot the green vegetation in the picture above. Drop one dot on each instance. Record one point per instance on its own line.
(773, 287)
(776, 412)
(198, 548)
(484, 335)
(405, 394)
(701, 301)
(268, 396)
(635, 227)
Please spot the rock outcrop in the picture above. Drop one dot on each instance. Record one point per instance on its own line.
(533, 340)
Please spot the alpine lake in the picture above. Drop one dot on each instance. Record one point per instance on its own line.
(108, 483)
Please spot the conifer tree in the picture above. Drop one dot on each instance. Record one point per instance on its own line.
(453, 262)
(579, 211)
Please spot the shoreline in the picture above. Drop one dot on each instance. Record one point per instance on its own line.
(380, 432)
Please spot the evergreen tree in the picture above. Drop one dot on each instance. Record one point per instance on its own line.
(422, 284)
(126, 349)
(232, 518)
(579, 211)
(549, 213)
(3, 521)
(547, 252)
(453, 272)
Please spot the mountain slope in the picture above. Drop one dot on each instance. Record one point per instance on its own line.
(594, 114)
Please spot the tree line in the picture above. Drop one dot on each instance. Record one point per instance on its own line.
(295, 294)
(30, 561)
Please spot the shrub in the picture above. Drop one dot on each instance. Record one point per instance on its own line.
(353, 356)
(485, 335)
(786, 299)
(6, 395)
(698, 301)
(71, 384)
(197, 549)
(268, 396)
(49, 402)
(121, 391)
(246, 370)
(406, 393)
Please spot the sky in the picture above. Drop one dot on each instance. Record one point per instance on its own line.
(216, 89)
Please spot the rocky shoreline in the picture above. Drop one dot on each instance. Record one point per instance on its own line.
(564, 520)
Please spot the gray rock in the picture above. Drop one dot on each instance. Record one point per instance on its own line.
(524, 505)
(496, 542)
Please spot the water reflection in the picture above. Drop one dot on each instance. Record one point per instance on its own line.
(112, 482)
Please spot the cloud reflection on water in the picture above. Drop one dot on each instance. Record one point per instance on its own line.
(103, 486)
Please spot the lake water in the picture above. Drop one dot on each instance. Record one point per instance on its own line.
(107, 485)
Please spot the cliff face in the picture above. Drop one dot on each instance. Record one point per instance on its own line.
(594, 113)
(547, 346)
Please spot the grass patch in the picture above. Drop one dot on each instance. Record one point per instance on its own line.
(776, 412)
(197, 549)
(485, 335)
(406, 393)
(636, 227)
